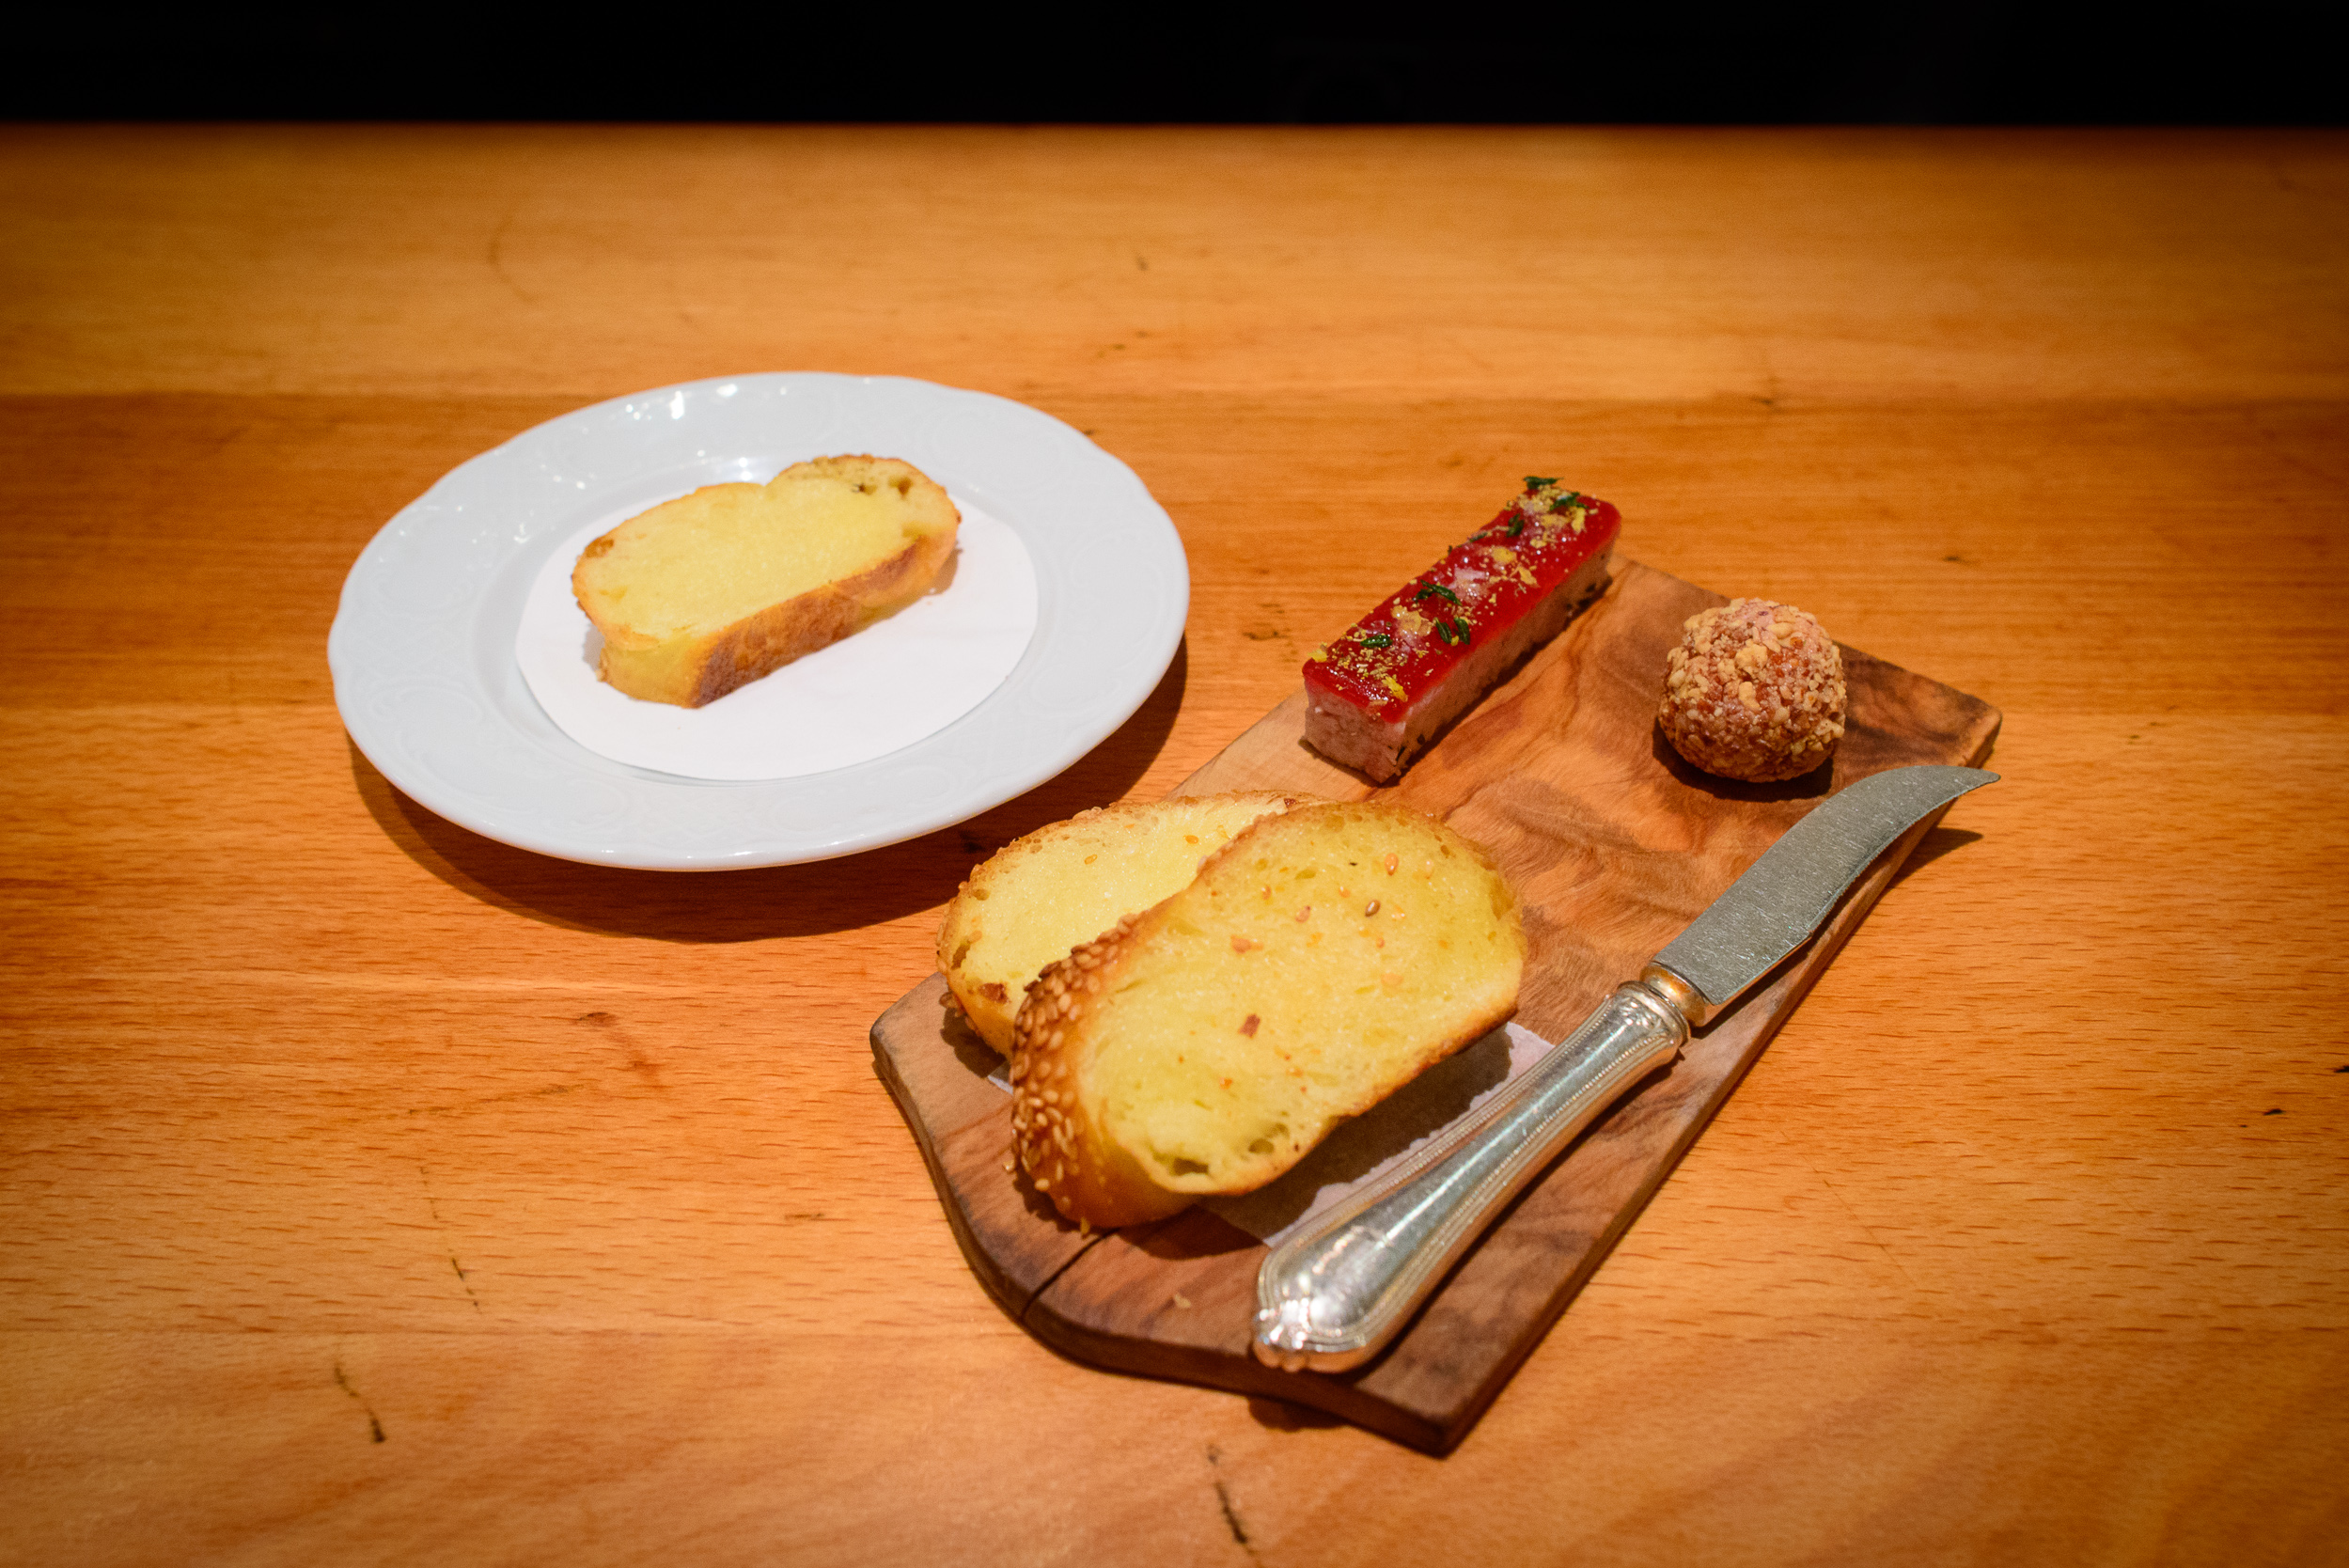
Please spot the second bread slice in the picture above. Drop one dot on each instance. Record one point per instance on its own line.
(1040, 895)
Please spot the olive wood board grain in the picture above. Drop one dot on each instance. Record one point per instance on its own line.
(1614, 844)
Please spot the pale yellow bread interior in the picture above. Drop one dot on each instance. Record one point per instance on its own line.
(1325, 959)
(703, 593)
(1040, 896)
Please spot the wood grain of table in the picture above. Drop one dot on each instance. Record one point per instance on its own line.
(375, 1192)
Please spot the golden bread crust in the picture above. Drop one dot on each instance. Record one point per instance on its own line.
(1206, 1044)
(694, 670)
(1040, 895)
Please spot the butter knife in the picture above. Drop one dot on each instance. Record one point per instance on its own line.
(1333, 1294)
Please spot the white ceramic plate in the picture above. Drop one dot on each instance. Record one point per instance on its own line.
(422, 648)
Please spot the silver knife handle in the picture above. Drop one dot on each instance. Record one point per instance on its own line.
(1331, 1295)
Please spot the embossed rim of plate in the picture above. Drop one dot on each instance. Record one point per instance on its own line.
(422, 644)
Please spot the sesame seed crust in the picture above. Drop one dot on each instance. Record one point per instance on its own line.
(1056, 1136)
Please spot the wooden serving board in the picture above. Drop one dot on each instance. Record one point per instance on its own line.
(1614, 845)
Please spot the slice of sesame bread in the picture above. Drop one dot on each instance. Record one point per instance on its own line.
(1323, 959)
(714, 589)
(1041, 894)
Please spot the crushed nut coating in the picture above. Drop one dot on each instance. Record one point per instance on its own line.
(1754, 692)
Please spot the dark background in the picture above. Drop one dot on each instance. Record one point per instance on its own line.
(1925, 64)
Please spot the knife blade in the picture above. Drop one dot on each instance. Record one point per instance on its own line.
(1333, 1294)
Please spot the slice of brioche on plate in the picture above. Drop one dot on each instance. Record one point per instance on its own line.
(1040, 896)
(715, 590)
(1325, 958)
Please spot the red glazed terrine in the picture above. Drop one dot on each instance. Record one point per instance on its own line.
(1375, 696)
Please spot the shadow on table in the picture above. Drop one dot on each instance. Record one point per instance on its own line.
(1932, 847)
(1281, 1415)
(778, 901)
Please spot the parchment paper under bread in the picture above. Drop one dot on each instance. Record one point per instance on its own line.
(895, 683)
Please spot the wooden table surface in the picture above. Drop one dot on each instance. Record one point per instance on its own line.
(374, 1192)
